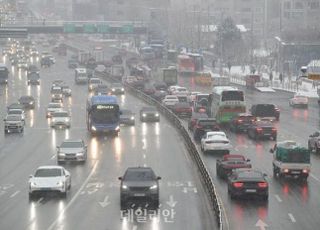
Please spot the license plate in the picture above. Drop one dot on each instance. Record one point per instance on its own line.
(139, 194)
(295, 172)
(251, 190)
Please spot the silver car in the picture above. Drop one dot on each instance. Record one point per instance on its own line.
(60, 119)
(49, 179)
(53, 107)
(13, 123)
(72, 150)
(17, 112)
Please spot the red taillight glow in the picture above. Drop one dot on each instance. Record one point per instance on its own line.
(274, 130)
(262, 184)
(305, 171)
(259, 129)
(239, 121)
(286, 170)
(237, 184)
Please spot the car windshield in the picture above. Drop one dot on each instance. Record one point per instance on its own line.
(25, 99)
(13, 118)
(71, 144)
(206, 122)
(139, 175)
(54, 172)
(250, 175)
(60, 114)
(56, 91)
(126, 112)
(54, 105)
(105, 115)
(94, 81)
(116, 85)
(149, 109)
(15, 111)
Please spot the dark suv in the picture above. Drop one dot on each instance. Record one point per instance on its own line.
(204, 125)
(269, 111)
(139, 185)
(241, 122)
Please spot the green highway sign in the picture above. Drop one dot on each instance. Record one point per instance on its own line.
(89, 28)
(126, 29)
(103, 28)
(69, 28)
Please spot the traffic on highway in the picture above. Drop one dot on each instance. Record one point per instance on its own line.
(126, 131)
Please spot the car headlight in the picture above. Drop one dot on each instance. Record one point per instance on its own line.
(113, 90)
(124, 186)
(33, 184)
(117, 128)
(144, 115)
(153, 187)
(67, 119)
(62, 154)
(60, 183)
(93, 128)
(157, 114)
(52, 96)
(31, 103)
(53, 120)
(80, 154)
(132, 118)
(122, 89)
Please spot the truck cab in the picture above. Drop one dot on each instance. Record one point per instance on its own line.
(290, 160)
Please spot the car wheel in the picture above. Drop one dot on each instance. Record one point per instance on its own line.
(5, 131)
(63, 194)
(275, 172)
(218, 172)
(60, 162)
(123, 204)
(31, 196)
(317, 150)
(309, 147)
(156, 203)
(69, 186)
(265, 198)
(274, 137)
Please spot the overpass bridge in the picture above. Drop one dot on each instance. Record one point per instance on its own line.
(20, 29)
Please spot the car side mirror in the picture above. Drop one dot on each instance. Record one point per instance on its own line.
(271, 151)
(265, 175)
(119, 178)
(67, 175)
(159, 178)
(248, 160)
(30, 176)
(120, 112)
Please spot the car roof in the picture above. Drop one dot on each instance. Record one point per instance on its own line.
(50, 167)
(149, 108)
(73, 140)
(233, 156)
(216, 133)
(139, 169)
(54, 103)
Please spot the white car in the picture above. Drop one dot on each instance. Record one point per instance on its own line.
(299, 100)
(215, 141)
(170, 100)
(172, 88)
(93, 83)
(60, 119)
(17, 112)
(72, 150)
(50, 179)
(53, 107)
(181, 91)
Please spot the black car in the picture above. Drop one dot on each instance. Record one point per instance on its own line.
(33, 78)
(204, 125)
(72, 64)
(241, 122)
(116, 88)
(265, 111)
(159, 95)
(194, 118)
(262, 129)
(46, 61)
(101, 89)
(32, 69)
(229, 162)
(160, 86)
(139, 185)
(182, 109)
(248, 182)
(27, 102)
(127, 117)
(149, 114)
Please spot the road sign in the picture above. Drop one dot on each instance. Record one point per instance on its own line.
(126, 29)
(13, 33)
(103, 28)
(89, 28)
(69, 28)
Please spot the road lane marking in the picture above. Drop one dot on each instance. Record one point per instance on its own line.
(291, 217)
(144, 156)
(59, 217)
(314, 177)
(14, 194)
(278, 198)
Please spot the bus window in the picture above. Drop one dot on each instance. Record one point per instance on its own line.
(232, 96)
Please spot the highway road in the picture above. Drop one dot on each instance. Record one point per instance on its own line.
(93, 202)
(291, 205)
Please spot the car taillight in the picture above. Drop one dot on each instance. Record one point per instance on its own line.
(277, 109)
(274, 130)
(262, 184)
(305, 171)
(286, 170)
(199, 126)
(259, 129)
(237, 184)
(239, 121)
